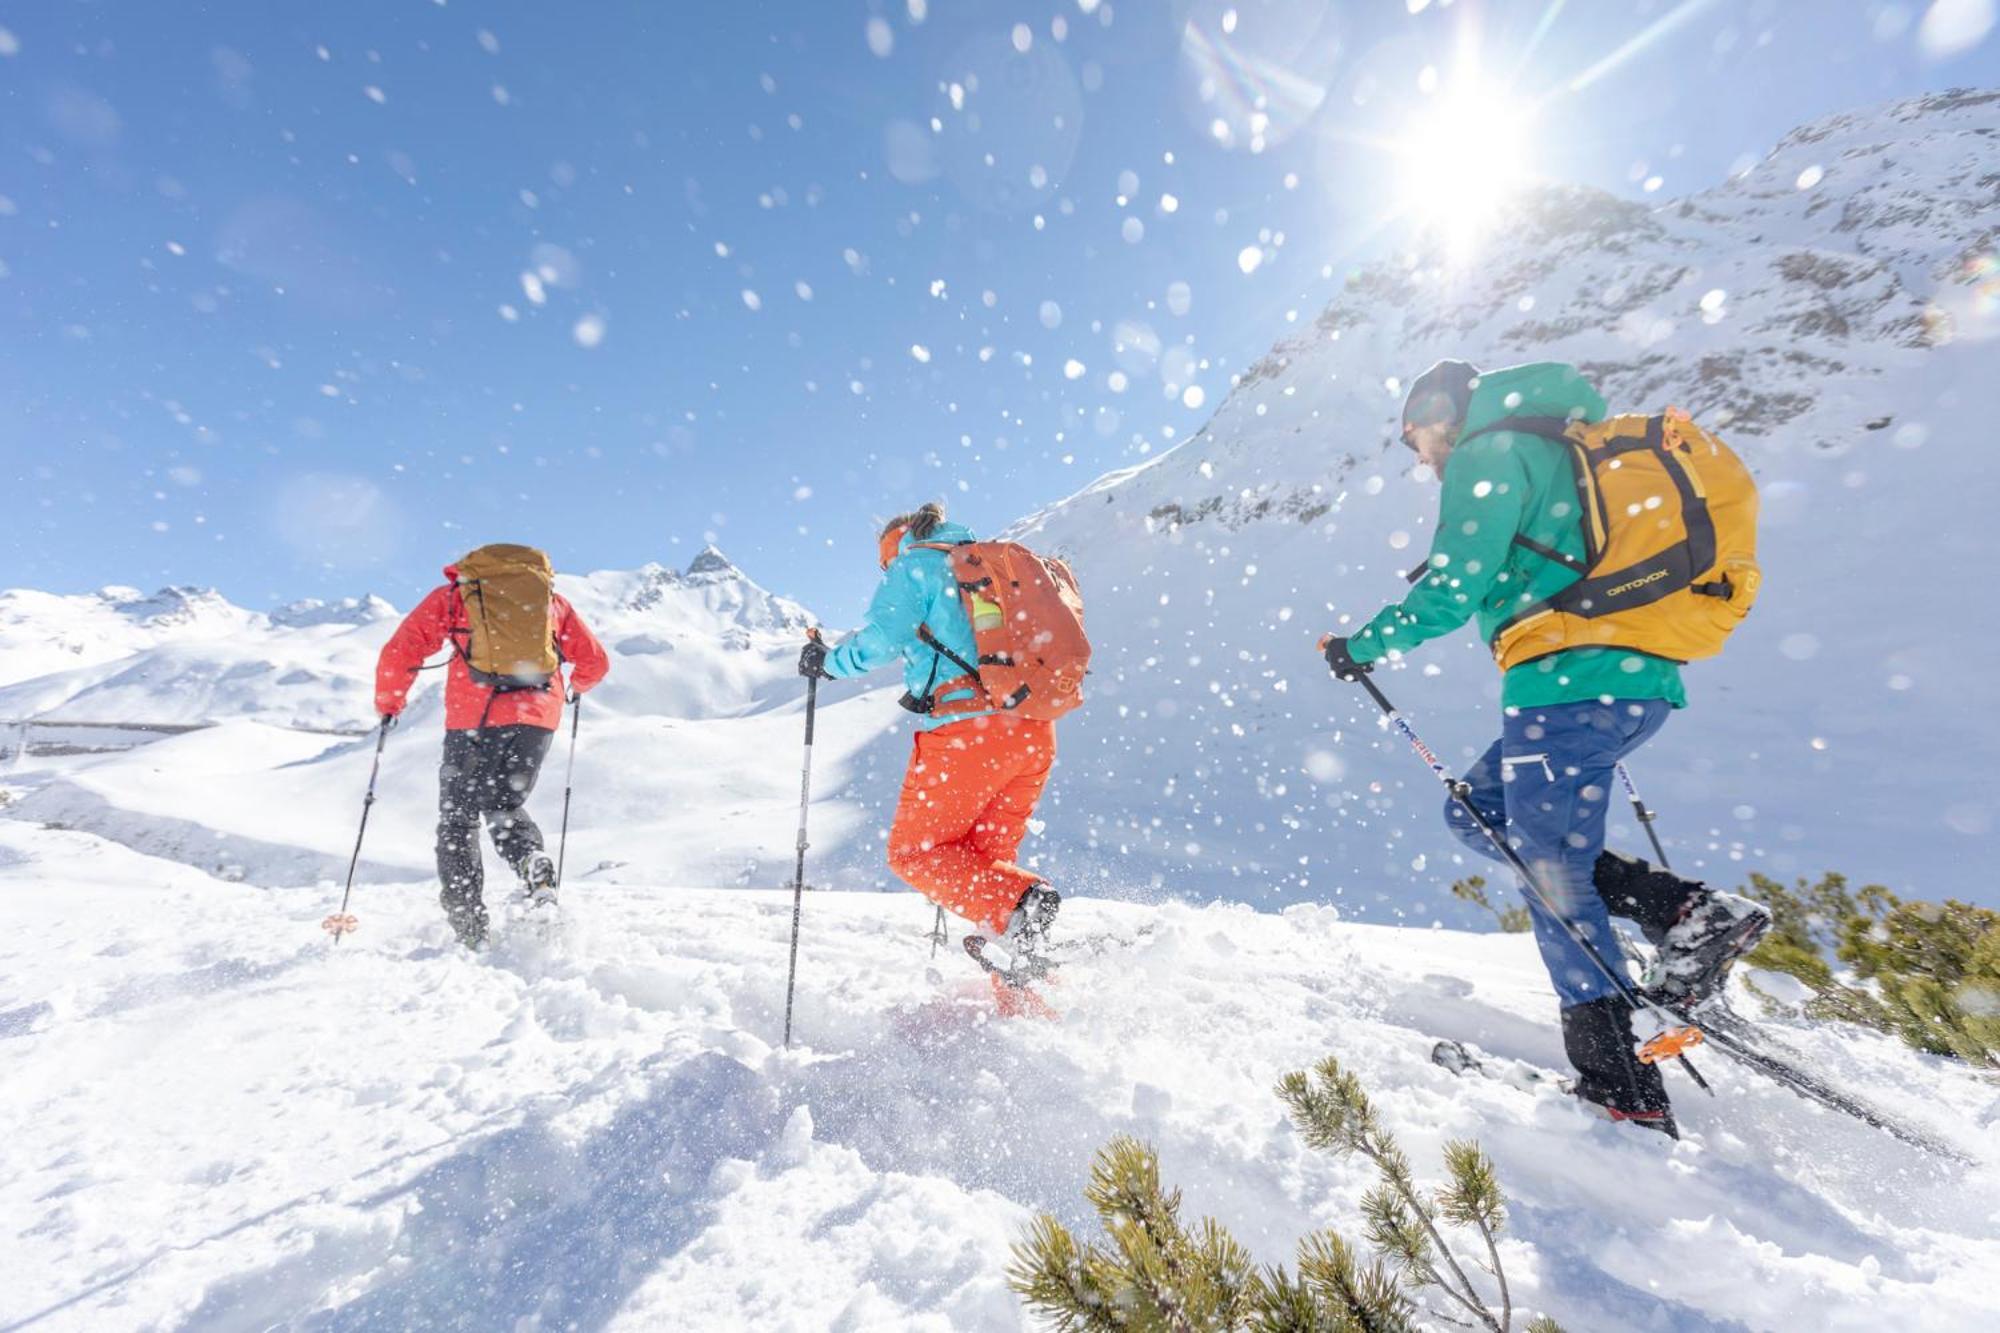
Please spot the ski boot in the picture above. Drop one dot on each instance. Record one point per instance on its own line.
(1694, 958)
(1024, 939)
(1660, 1120)
(538, 880)
(1610, 1079)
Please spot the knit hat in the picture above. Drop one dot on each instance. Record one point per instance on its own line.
(1441, 394)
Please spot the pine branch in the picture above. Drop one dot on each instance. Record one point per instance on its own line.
(1333, 1113)
(1368, 1300)
(1473, 1199)
(1500, 1276)
(1063, 1280)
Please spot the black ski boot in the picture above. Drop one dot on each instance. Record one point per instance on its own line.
(1697, 932)
(1693, 962)
(1610, 1076)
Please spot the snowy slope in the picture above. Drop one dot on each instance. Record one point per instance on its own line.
(1832, 313)
(702, 689)
(219, 1121)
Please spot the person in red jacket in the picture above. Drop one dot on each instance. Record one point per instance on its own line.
(494, 744)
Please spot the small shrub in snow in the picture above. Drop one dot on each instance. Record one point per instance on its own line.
(1156, 1273)
(1513, 919)
(1929, 972)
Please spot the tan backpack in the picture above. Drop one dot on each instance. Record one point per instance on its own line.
(1027, 621)
(1670, 527)
(510, 640)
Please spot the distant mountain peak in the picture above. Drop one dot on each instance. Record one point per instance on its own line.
(176, 604)
(711, 561)
(346, 611)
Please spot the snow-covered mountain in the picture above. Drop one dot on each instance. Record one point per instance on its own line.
(1832, 312)
(705, 642)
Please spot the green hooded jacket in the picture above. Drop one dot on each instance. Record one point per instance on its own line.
(1497, 485)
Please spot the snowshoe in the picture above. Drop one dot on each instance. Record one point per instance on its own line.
(1694, 959)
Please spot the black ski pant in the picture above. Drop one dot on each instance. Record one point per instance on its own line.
(487, 774)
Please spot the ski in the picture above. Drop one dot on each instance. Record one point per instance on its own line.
(1462, 1059)
(1733, 1034)
(1739, 1038)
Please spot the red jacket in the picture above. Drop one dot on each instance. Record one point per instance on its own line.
(468, 705)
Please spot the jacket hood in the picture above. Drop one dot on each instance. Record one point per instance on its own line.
(1537, 389)
(451, 572)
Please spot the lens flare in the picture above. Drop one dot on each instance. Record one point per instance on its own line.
(1460, 158)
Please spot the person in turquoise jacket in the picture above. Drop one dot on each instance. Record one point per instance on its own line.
(975, 772)
(1510, 534)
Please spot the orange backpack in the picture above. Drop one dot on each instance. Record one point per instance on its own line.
(1027, 622)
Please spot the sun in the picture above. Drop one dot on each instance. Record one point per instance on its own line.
(1461, 155)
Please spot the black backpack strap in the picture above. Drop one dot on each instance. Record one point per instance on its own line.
(936, 645)
(1563, 558)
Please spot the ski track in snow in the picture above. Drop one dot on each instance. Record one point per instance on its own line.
(221, 1121)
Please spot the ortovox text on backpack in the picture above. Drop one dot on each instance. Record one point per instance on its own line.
(1670, 531)
(1027, 622)
(510, 642)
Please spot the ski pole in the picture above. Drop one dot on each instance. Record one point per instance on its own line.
(1679, 1034)
(343, 922)
(938, 935)
(799, 873)
(1646, 817)
(569, 781)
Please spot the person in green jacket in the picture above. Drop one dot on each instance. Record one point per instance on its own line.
(1509, 515)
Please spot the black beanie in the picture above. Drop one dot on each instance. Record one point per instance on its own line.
(1442, 393)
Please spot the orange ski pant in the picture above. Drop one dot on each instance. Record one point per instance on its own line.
(967, 797)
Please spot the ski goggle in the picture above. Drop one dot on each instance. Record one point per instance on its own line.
(892, 544)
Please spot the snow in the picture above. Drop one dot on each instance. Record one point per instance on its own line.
(216, 1118)
(602, 1128)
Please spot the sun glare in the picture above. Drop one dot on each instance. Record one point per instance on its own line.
(1464, 153)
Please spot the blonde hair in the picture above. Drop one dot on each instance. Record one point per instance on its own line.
(921, 524)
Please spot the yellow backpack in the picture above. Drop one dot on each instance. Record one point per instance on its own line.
(511, 641)
(1670, 528)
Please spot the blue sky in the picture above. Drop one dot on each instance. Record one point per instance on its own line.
(304, 299)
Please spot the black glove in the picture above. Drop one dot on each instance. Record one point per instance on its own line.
(1341, 661)
(388, 721)
(812, 660)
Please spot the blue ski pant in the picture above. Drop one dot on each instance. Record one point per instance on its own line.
(1545, 786)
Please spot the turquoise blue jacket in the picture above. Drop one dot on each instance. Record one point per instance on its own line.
(918, 588)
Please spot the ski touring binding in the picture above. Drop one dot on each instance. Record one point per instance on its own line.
(1020, 972)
